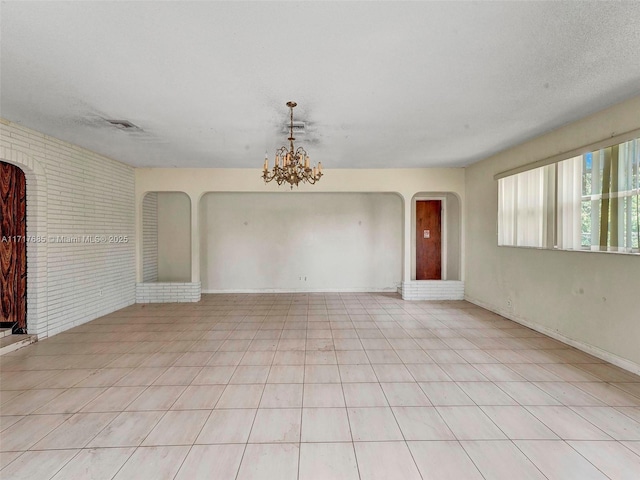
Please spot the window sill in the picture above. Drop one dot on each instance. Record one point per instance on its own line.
(633, 253)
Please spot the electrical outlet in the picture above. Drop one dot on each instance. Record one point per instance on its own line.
(100, 292)
(509, 303)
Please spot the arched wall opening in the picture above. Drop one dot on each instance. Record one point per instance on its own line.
(13, 248)
(36, 251)
(451, 233)
(166, 242)
(300, 241)
(166, 249)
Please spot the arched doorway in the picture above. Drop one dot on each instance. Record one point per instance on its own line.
(437, 236)
(13, 248)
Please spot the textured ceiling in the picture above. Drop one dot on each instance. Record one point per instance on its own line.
(379, 84)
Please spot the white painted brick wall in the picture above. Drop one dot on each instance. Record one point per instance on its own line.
(150, 237)
(168, 292)
(432, 290)
(80, 193)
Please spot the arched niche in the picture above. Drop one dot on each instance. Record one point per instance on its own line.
(451, 233)
(166, 237)
(37, 251)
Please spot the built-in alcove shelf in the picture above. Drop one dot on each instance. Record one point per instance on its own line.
(432, 290)
(167, 292)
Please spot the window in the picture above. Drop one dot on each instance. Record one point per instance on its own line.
(588, 202)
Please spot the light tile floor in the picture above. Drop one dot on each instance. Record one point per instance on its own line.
(317, 386)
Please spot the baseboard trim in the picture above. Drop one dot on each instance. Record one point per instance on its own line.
(585, 347)
(305, 290)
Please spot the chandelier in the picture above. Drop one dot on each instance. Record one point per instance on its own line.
(291, 165)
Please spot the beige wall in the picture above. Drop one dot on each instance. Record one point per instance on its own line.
(174, 237)
(198, 182)
(306, 242)
(453, 231)
(588, 299)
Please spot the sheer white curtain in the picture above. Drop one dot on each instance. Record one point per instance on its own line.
(595, 196)
(615, 198)
(531, 226)
(507, 209)
(629, 187)
(569, 206)
(522, 219)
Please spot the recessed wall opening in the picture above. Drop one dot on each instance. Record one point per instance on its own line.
(300, 241)
(13, 248)
(448, 231)
(166, 242)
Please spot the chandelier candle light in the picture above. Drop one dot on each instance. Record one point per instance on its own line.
(291, 165)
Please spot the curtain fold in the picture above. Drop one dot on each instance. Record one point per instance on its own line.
(507, 195)
(569, 208)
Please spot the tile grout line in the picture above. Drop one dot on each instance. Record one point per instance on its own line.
(346, 408)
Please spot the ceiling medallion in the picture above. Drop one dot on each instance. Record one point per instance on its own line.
(291, 165)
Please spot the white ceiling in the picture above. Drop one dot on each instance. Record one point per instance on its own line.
(380, 84)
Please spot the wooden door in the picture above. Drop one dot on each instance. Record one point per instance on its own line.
(428, 240)
(13, 248)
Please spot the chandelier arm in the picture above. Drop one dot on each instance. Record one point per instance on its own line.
(267, 177)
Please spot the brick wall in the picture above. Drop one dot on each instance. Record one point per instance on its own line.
(432, 290)
(83, 205)
(168, 292)
(150, 237)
